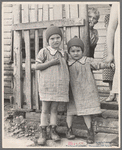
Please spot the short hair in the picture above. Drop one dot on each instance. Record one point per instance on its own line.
(95, 11)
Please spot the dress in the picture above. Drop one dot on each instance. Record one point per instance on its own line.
(54, 81)
(116, 82)
(84, 99)
(108, 73)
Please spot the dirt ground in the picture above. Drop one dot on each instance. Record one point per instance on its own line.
(11, 140)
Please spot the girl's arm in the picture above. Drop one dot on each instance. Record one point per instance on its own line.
(43, 66)
(101, 65)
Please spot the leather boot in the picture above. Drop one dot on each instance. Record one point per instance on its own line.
(69, 134)
(90, 135)
(42, 137)
(53, 134)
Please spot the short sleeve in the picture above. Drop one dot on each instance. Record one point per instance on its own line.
(41, 56)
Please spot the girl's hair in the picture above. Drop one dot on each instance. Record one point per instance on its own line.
(95, 11)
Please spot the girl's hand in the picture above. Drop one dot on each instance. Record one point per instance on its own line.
(55, 62)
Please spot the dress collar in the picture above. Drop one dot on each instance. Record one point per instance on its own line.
(54, 51)
(81, 61)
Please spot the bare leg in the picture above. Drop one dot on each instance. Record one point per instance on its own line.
(45, 113)
(88, 121)
(69, 120)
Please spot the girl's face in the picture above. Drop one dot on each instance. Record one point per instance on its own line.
(76, 52)
(92, 19)
(55, 41)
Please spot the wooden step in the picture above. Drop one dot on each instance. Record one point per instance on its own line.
(109, 105)
(110, 114)
(109, 125)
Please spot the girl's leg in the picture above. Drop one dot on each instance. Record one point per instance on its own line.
(44, 122)
(88, 121)
(69, 120)
(53, 121)
(90, 135)
(45, 113)
(69, 134)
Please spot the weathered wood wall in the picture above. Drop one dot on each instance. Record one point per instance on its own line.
(43, 11)
(7, 51)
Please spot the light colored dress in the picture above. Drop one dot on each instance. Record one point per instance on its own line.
(116, 82)
(54, 81)
(84, 98)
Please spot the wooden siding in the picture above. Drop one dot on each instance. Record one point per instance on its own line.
(7, 41)
(8, 21)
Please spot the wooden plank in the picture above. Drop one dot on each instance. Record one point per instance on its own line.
(7, 28)
(74, 14)
(109, 105)
(98, 55)
(58, 8)
(7, 16)
(8, 73)
(17, 58)
(33, 12)
(103, 89)
(102, 32)
(7, 35)
(84, 33)
(45, 18)
(7, 4)
(7, 78)
(100, 25)
(110, 114)
(8, 10)
(40, 12)
(44, 24)
(7, 41)
(7, 95)
(102, 83)
(7, 48)
(7, 22)
(7, 54)
(36, 72)
(45, 12)
(50, 12)
(100, 47)
(107, 123)
(7, 84)
(8, 90)
(28, 59)
(68, 29)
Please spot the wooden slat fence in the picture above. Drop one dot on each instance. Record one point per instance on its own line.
(72, 20)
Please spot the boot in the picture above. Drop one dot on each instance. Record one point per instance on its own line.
(90, 136)
(53, 134)
(42, 137)
(69, 134)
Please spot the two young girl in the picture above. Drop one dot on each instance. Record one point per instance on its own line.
(54, 84)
